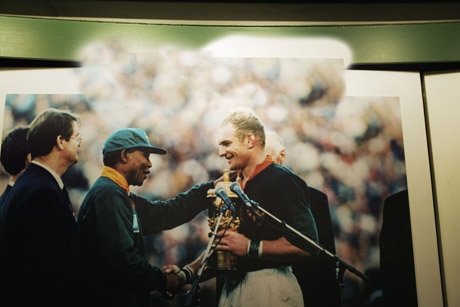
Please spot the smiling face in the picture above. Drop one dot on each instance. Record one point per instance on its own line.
(137, 166)
(232, 148)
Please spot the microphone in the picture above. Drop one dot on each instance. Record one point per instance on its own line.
(220, 191)
(235, 187)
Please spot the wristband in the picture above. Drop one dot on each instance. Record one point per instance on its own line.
(261, 247)
(182, 277)
(254, 249)
(188, 272)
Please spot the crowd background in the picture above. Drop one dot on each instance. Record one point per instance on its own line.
(351, 148)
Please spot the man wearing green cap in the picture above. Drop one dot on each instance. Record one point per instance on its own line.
(113, 221)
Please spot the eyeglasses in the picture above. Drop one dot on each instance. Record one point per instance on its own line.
(78, 138)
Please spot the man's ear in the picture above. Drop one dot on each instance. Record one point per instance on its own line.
(60, 142)
(28, 159)
(282, 156)
(250, 140)
(124, 155)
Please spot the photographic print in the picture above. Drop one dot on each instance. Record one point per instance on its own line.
(348, 145)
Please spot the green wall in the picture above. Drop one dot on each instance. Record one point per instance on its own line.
(53, 39)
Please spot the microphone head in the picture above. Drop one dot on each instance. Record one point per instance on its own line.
(235, 186)
(220, 191)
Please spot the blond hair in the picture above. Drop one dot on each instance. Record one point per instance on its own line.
(246, 121)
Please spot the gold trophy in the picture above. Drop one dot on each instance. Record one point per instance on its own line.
(224, 260)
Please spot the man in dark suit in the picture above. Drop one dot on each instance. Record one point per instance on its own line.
(15, 156)
(317, 276)
(40, 226)
(396, 253)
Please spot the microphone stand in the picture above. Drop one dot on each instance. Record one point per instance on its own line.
(341, 265)
(195, 284)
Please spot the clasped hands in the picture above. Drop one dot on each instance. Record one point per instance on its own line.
(226, 240)
(176, 278)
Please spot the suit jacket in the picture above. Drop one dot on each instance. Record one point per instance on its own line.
(396, 253)
(317, 275)
(3, 202)
(41, 241)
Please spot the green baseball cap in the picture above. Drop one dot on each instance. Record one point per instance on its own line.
(126, 138)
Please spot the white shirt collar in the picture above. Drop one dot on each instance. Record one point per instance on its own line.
(53, 173)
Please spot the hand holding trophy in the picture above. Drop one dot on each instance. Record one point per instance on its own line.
(224, 204)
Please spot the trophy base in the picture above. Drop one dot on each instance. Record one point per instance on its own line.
(221, 271)
(224, 262)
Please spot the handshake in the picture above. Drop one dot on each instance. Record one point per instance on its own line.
(176, 278)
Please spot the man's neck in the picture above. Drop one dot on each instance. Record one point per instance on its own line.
(13, 178)
(52, 162)
(53, 173)
(249, 170)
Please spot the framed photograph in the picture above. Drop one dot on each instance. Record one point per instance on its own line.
(442, 97)
(358, 136)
